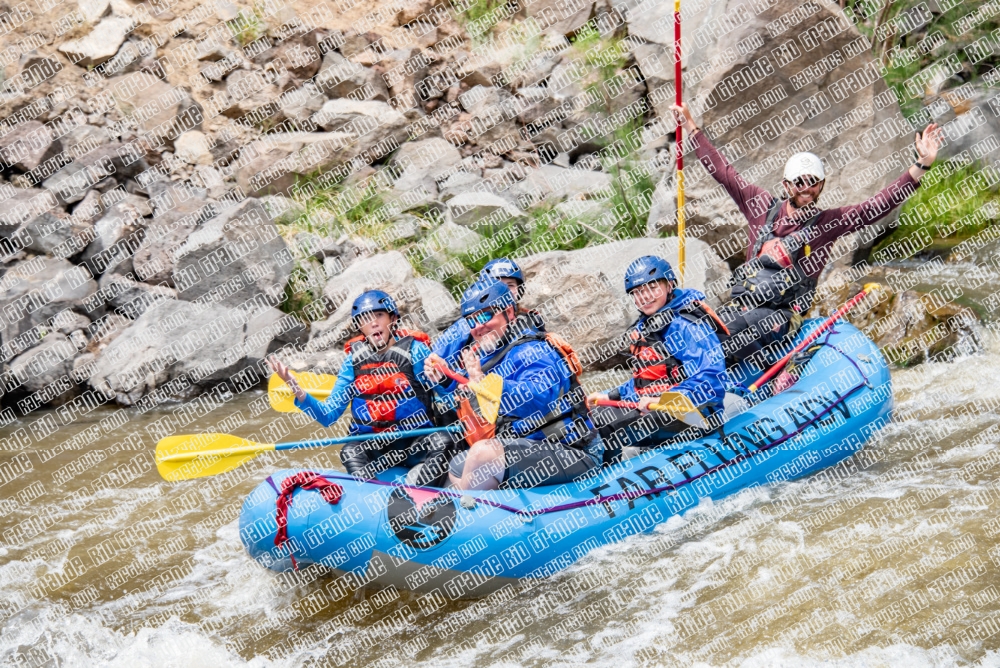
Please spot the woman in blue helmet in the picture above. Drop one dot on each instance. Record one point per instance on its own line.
(453, 340)
(673, 346)
(383, 382)
(543, 435)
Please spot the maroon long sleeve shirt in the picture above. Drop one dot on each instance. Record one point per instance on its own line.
(754, 202)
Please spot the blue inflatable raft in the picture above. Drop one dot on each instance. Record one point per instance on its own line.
(470, 544)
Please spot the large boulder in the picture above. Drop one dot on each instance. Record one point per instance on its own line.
(51, 232)
(423, 163)
(237, 256)
(276, 162)
(28, 145)
(115, 235)
(71, 183)
(477, 208)
(339, 77)
(24, 206)
(423, 303)
(101, 43)
(130, 297)
(37, 289)
(174, 113)
(367, 121)
(206, 343)
(763, 90)
(177, 213)
(47, 367)
(581, 294)
(909, 326)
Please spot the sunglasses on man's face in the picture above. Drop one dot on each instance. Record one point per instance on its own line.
(805, 182)
(480, 318)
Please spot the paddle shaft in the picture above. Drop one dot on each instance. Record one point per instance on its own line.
(680, 146)
(299, 445)
(616, 404)
(624, 404)
(770, 373)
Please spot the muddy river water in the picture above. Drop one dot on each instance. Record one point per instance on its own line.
(895, 564)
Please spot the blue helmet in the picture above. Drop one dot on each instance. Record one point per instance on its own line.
(484, 293)
(373, 300)
(502, 268)
(647, 269)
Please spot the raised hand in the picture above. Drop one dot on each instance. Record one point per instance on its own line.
(683, 116)
(927, 143)
(280, 368)
(471, 361)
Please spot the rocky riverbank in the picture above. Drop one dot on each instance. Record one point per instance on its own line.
(186, 187)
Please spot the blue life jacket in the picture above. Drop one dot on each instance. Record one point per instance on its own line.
(663, 348)
(563, 418)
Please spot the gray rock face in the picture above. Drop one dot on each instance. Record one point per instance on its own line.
(26, 205)
(50, 232)
(234, 257)
(488, 105)
(281, 159)
(28, 145)
(423, 303)
(176, 215)
(133, 298)
(35, 290)
(116, 235)
(47, 367)
(71, 183)
(369, 121)
(423, 163)
(570, 15)
(101, 44)
(339, 77)
(581, 293)
(171, 339)
(168, 121)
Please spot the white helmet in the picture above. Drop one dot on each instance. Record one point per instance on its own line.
(804, 164)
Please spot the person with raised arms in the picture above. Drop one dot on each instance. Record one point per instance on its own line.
(383, 382)
(673, 346)
(790, 240)
(543, 434)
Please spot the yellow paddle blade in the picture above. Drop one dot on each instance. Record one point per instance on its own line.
(678, 406)
(488, 392)
(189, 456)
(282, 398)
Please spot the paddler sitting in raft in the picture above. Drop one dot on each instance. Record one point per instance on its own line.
(673, 346)
(383, 382)
(458, 337)
(543, 434)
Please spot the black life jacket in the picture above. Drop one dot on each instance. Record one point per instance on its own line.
(654, 369)
(569, 421)
(387, 391)
(762, 281)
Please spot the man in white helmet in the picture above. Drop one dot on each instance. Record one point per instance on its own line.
(790, 239)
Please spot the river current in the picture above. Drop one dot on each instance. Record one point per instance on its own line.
(892, 561)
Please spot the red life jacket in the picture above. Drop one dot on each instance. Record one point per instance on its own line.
(388, 394)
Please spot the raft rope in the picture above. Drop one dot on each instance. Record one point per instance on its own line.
(331, 491)
(597, 500)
